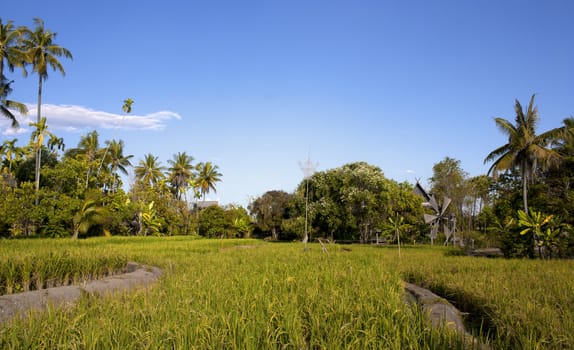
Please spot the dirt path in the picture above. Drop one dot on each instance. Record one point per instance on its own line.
(19, 304)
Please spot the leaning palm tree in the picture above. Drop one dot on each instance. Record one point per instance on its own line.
(525, 150)
(90, 213)
(7, 106)
(180, 172)
(207, 176)
(149, 170)
(11, 55)
(565, 144)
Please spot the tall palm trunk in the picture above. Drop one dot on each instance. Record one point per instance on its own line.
(525, 194)
(39, 150)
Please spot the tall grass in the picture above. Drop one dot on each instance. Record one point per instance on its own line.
(214, 296)
(522, 304)
(29, 265)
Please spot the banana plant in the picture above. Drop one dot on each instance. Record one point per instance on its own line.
(534, 222)
(151, 223)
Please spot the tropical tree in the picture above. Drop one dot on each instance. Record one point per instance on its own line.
(88, 149)
(270, 210)
(149, 170)
(37, 141)
(11, 152)
(207, 176)
(11, 53)
(127, 106)
(353, 202)
(89, 214)
(117, 161)
(56, 143)
(525, 150)
(394, 227)
(180, 172)
(7, 106)
(42, 52)
(449, 180)
(534, 223)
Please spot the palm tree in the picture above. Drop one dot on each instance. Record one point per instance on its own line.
(181, 171)
(127, 107)
(395, 227)
(88, 149)
(42, 52)
(37, 141)
(11, 152)
(525, 150)
(89, 214)
(56, 143)
(7, 106)
(207, 176)
(149, 170)
(117, 161)
(11, 53)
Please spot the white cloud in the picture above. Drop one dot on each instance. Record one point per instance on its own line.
(77, 118)
(409, 171)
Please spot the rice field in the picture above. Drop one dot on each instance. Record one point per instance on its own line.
(249, 294)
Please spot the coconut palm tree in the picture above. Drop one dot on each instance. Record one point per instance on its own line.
(207, 176)
(117, 161)
(41, 52)
(37, 141)
(7, 106)
(127, 107)
(525, 150)
(180, 172)
(11, 53)
(149, 170)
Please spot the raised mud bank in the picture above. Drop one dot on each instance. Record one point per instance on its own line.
(442, 313)
(20, 304)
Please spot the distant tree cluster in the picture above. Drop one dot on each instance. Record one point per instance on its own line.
(354, 202)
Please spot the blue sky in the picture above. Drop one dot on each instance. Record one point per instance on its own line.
(256, 87)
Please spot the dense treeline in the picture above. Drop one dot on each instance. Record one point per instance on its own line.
(522, 205)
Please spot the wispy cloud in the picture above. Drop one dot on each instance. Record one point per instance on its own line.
(78, 118)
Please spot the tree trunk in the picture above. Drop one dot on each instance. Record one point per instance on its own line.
(39, 151)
